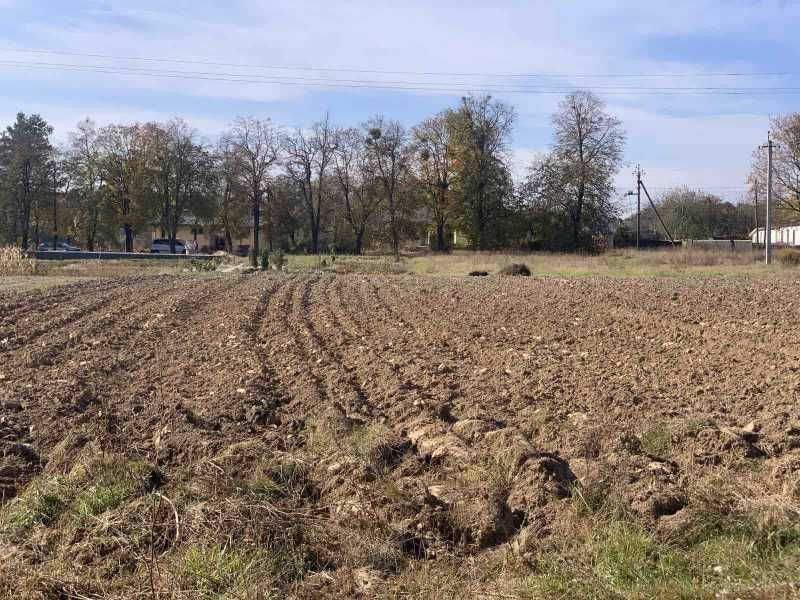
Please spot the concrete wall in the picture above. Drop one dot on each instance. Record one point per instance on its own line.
(57, 255)
(735, 245)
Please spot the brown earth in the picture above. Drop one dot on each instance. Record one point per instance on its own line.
(431, 418)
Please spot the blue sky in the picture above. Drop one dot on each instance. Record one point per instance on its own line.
(696, 140)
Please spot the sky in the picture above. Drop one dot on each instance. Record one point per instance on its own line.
(701, 140)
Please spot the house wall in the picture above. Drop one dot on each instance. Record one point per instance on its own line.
(206, 238)
(781, 236)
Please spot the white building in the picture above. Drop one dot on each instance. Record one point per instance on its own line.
(788, 235)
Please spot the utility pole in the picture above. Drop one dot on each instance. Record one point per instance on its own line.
(768, 225)
(755, 199)
(55, 205)
(638, 204)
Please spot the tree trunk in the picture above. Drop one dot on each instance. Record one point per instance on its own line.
(441, 242)
(359, 242)
(25, 224)
(395, 233)
(128, 237)
(55, 217)
(314, 236)
(256, 226)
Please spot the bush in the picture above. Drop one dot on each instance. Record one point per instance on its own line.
(14, 261)
(264, 259)
(789, 257)
(278, 260)
(516, 270)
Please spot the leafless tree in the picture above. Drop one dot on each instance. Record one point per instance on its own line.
(309, 154)
(357, 183)
(587, 154)
(785, 131)
(256, 145)
(389, 156)
(87, 176)
(231, 211)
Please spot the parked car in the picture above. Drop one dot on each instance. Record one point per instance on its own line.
(60, 247)
(162, 247)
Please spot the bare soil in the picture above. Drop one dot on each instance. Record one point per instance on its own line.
(434, 419)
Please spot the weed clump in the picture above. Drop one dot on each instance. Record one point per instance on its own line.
(39, 506)
(516, 270)
(14, 261)
(788, 257)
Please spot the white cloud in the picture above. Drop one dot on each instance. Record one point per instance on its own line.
(700, 141)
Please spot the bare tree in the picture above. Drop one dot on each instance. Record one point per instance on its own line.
(308, 157)
(184, 174)
(255, 143)
(785, 131)
(586, 156)
(389, 157)
(357, 183)
(435, 153)
(87, 177)
(231, 210)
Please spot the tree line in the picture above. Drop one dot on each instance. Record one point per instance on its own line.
(692, 215)
(377, 184)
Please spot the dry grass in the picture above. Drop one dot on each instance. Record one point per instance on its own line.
(681, 262)
(616, 263)
(13, 261)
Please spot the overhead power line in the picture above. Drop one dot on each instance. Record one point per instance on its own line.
(397, 72)
(273, 78)
(390, 84)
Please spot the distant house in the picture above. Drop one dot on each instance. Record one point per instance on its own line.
(208, 239)
(786, 235)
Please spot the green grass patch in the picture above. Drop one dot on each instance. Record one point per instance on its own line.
(657, 442)
(609, 557)
(216, 571)
(276, 479)
(627, 558)
(213, 569)
(38, 506)
(100, 498)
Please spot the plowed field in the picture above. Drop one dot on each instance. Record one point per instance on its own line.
(319, 435)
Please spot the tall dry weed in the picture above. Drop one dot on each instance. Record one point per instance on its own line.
(14, 261)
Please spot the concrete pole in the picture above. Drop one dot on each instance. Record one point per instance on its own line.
(638, 205)
(768, 231)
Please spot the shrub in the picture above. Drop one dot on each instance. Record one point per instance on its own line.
(264, 259)
(789, 258)
(278, 260)
(516, 270)
(657, 442)
(14, 261)
(204, 265)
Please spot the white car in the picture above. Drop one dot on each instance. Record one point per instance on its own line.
(60, 247)
(162, 247)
